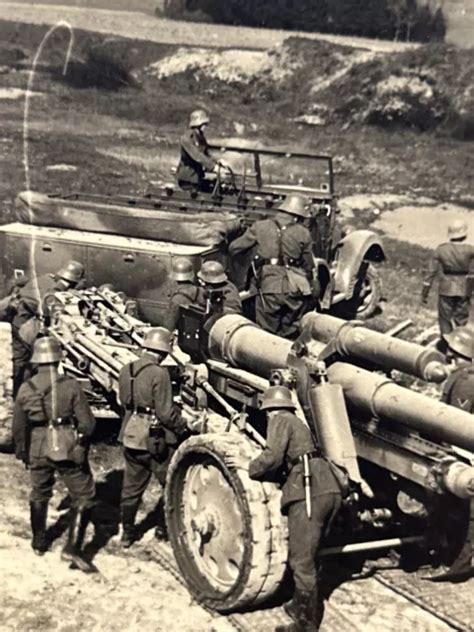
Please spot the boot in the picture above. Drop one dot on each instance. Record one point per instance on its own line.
(129, 530)
(161, 530)
(38, 516)
(300, 608)
(72, 552)
(460, 570)
(295, 604)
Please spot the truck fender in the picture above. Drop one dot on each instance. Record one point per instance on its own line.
(352, 250)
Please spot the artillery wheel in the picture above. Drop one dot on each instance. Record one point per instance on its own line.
(6, 383)
(227, 531)
(367, 295)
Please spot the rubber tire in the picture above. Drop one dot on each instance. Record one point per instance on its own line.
(352, 309)
(266, 548)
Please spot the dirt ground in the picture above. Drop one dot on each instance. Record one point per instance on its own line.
(90, 139)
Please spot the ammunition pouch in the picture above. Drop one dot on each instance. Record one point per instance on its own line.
(298, 282)
(137, 430)
(156, 442)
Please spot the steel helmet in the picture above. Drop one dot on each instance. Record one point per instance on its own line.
(461, 341)
(198, 118)
(277, 397)
(295, 205)
(158, 339)
(212, 272)
(73, 272)
(457, 229)
(182, 270)
(107, 287)
(46, 350)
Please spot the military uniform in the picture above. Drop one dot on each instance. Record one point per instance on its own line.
(287, 440)
(231, 302)
(451, 262)
(28, 307)
(285, 261)
(195, 160)
(64, 398)
(459, 388)
(185, 293)
(151, 391)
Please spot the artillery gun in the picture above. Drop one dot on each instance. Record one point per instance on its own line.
(132, 241)
(408, 457)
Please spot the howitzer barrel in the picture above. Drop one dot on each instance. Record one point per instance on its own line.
(351, 339)
(376, 396)
(240, 342)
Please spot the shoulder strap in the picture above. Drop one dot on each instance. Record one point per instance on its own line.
(279, 236)
(133, 377)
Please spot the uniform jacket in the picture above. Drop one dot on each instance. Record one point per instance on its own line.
(185, 293)
(274, 238)
(230, 295)
(459, 388)
(451, 262)
(66, 399)
(287, 438)
(195, 159)
(151, 389)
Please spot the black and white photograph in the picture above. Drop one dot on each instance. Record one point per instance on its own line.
(237, 316)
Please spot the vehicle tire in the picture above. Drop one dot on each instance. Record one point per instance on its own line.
(6, 384)
(227, 532)
(367, 295)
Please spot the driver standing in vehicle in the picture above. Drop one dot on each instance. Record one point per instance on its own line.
(195, 158)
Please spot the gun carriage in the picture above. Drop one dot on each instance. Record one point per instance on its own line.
(408, 456)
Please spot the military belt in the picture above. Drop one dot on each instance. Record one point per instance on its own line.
(313, 454)
(59, 421)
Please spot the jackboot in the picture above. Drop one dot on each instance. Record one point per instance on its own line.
(460, 570)
(72, 552)
(38, 516)
(129, 531)
(161, 529)
(300, 610)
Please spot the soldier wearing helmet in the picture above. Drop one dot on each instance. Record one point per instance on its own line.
(290, 449)
(217, 289)
(29, 307)
(282, 266)
(185, 291)
(151, 426)
(195, 158)
(453, 264)
(46, 401)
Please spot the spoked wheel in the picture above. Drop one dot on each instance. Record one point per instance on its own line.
(227, 532)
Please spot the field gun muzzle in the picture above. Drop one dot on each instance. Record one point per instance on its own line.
(241, 343)
(349, 339)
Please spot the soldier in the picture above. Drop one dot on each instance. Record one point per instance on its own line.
(195, 159)
(29, 308)
(451, 262)
(216, 287)
(459, 387)
(283, 266)
(186, 292)
(151, 426)
(290, 445)
(47, 408)
(459, 391)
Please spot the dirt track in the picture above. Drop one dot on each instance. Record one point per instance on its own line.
(140, 26)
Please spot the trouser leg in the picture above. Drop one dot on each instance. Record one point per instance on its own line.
(137, 474)
(445, 314)
(72, 551)
(461, 311)
(42, 476)
(268, 311)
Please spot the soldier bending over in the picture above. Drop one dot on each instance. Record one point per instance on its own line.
(291, 445)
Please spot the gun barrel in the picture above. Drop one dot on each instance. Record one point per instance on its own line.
(243, 344)
(351, 339)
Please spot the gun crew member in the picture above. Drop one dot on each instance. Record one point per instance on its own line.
(52, 424)
(151, 426)
(195, 158)
(311, 498)
(216, 288)
(451, 263)
(186, 291)
(29, 309)
(459, 392)
(283, 266)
